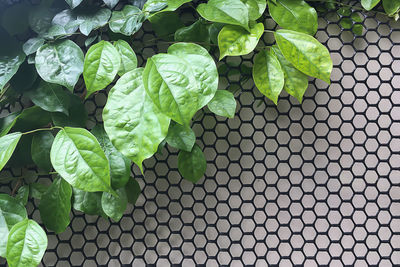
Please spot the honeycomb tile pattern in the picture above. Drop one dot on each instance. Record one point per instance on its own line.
(308, 184)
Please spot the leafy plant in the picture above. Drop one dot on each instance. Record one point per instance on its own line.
(147, 107)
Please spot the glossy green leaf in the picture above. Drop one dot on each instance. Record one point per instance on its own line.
(235, 41)
(55, 206)
(26, 245)
(114, 206)
(32, 45)
(93, 18)
(11, 212)
(60, 62)
(232, 12)
(102, 62)
(7, 122)
(36, 190)
(223, 104)
(192, 165)
(40, 19)
(77, 114)
(50, 97)
(73, 3)
(128, 57)
(369, 4)
(170, 5)
(256, 8)
(268, 75)
(22, 194)
(305, 53)
(111, 3)
(130, 113)
(295, 15)
(31, 118)
(181, 137)
(127, 21)
(8, 144)
(88, 202)
(391, 6)
(120, 166)
(133, 191)
(40, 149)
(165, 24)
(11, 57)
(77, 156)
(64, 23)
(296, 82)
(214, 30)
(197, 32)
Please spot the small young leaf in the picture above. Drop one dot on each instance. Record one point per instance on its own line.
(235, 41)
(22, 194)
(50, 97)
(305, 53)
(192, 165)
(223, 104)
(77, 114)
(77, 156)
(102, 62)
(129, 112)
(256, 8)
(93, 18)
(11, 212)
(114, 206)
(133, 191)
(369, 4)
(55, 206)
(88, 202)
(128, 57)
(60, 62)
(73, 3)
(232, 12)
(127, 21)
(181, 137)
(32, 45)
(8, 144)
(40, 150)
(268, 75)
(26, 245)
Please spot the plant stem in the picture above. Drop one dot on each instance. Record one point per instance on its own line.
(43, 129)
(4, 91)
(269, 31)
(17, 185)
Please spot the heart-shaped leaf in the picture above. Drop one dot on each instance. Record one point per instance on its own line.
(192, 165)
(181, 137)
(8, 144)
(223, 104)
(128, 57)
(114, 206)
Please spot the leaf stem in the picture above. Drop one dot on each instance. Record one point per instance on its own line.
(269, 31)
(4, 91)
(17, 185)
(43, 129)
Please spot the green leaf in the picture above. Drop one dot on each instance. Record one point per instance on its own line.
(128, 57)
(102, 62)
(60, 62)
(93, 18)
(40, 19)
(50, 97)
(15, 18)
(214, 30)
(6, 123)
(197, 32)
(296, 82)
(232, 12)
(22, 153)
(192, 165)
(235, 41)
(305, 53)
(111, 3)
(223, 104)
(127, 21)
(25, 78)
(77, 156)
(165, 24)
(64, 23)
(256, 8)
(36, 190)
(77, 114)
(55, 206)
(130, 113)
(369, 4)
(7, 146)
(73, 3)
(171, 5)
(11, 57)
(26, 245)
(40, 149)
(120, 166)
(268, 75)
(32, 45)
(22, 194)
(391, 6)
(114, 206)
(88, 202)
(31, 118)
(295, 15)
(133, 191)
(181, 137)
(11, 212)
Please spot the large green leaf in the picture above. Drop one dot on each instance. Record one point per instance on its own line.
(60, 62)
(235, 41)
(114, 206)
(165, 24)
(102, 63)
(7, 146)
(55, 206)
(11, 212)
(192, 165)
(171, 5)
(256, 8)
(268, 75)
(64, 23)
(296, 82)
(11, 57)
(134, 124)
(225, 11)
(223, 104)
(369, 4)
(36, 190)
(196, 32)
(32, 45)
(127, 21)
(391, 6)
(181, 137)
(50, 97)
(77, 114)
(93, 18)
(128, 57)
(31, 118)
(294, 15)
(26, 245)
(305, 53)
(133, 191)
(120, 166)
(88, 202)
(40, 149)
(77, 156)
